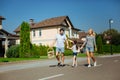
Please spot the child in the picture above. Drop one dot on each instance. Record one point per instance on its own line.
(89, 44)
(75, 51)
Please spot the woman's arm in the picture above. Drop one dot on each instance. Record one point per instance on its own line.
(84, 44)
(94, 42)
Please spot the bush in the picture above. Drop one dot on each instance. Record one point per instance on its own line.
(37, 51)
(13, 51)
(115, 48)
(43, 50)
(34, 51)
(68, 52)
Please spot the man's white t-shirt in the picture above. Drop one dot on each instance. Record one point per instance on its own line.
(60, 39)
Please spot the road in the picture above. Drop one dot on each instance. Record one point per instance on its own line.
(108, 68)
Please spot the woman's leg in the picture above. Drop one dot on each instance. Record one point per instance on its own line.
(93, 58)
(88, 58)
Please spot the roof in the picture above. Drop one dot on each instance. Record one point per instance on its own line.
(56, 21)
(10, 35)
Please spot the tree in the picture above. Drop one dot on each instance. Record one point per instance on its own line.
(115, 36)
(99, 45)
(25, 40)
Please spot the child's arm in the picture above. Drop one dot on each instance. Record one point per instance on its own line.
(70, 48)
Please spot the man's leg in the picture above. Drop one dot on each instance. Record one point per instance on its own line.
(57, 57)
(63, 58)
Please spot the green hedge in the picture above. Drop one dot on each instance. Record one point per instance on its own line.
(68, 52)
(35, 51)
(115, 49)
(13, 51)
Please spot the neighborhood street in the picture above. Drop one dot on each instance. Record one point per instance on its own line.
(108, 68)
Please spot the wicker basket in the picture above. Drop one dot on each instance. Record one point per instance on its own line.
(50, 52)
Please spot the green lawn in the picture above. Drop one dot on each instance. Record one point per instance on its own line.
(41, 58)
(21, 59)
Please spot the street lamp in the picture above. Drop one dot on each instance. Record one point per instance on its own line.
(110, 23)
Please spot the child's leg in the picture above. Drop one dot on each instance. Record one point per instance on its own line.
(73, 60)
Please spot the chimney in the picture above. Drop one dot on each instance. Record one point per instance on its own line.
(1, 18)
(31, 21)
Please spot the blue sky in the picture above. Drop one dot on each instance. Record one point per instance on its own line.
(84, 14)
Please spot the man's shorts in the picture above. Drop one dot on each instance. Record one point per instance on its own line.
(60, 49)
(90, 49)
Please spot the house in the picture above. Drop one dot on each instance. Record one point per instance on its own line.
(81, 39)
(44, 32)
(6, 39)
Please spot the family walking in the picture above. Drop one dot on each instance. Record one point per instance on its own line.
(89, 44)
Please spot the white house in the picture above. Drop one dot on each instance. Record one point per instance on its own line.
(44, 32)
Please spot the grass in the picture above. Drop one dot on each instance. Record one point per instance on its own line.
(41, 58)
(21, 59)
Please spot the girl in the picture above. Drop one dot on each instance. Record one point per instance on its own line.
(75, 51)
(89, 44)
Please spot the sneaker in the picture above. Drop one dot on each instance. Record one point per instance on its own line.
(76, 65)
(89, 65)
(63, 65)
(95, 64)
(58, 64)
(73, 66)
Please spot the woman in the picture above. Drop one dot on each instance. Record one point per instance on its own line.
(90, 44)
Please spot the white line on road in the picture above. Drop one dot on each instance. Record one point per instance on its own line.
(99, 65)
(116, 60)
(46, 78)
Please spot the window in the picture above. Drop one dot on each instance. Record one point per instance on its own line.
(33, 33)
(40, 33)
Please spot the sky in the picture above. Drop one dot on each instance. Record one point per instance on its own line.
(84, 14)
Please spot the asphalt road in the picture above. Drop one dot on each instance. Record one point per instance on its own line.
(108, 68)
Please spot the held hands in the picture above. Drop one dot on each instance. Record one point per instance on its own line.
(81, 47)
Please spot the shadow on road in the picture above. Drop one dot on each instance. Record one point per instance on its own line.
(58, 66)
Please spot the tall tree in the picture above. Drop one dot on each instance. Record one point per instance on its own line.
(25, 40)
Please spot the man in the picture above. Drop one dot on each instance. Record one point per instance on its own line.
(60, 39)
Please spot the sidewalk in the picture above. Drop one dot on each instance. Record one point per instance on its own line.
(114, 55)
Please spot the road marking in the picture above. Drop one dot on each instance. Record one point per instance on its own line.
(98, 65)
(116, 60)
(46, 78)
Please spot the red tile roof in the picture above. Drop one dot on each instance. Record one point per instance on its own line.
(56, 21)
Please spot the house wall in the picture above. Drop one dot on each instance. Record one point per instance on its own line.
(46, 38)
(48, 35)
(75, 34)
